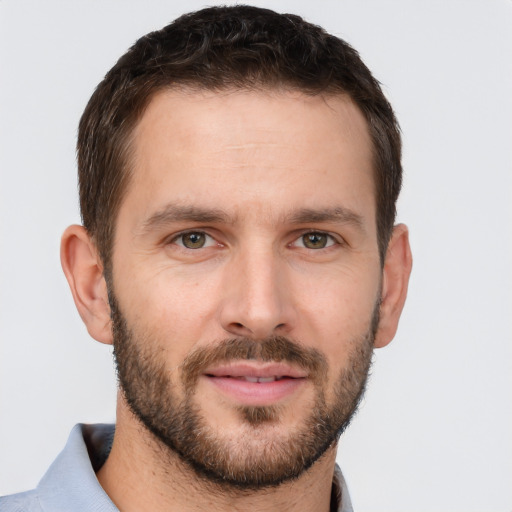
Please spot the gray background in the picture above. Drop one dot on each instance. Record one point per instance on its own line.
(434, 432)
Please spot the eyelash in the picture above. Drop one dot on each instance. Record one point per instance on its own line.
(331, 240)
(183, 234)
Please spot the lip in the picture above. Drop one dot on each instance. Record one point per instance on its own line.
(229, 380)
(247, 369)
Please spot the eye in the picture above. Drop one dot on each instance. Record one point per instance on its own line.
(194, 240)
(315, 240)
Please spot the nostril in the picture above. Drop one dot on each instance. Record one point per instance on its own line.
(239, 329)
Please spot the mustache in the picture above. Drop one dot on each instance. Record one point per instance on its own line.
(275, 348)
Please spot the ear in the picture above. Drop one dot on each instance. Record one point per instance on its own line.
(84, 272)
(395, 280)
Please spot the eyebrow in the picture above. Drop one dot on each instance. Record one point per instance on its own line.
(176, 213)
(338, 215)
(172, 213)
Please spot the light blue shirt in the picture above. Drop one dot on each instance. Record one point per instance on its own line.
(70, 484)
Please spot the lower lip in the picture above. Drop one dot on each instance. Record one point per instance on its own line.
(256, 393)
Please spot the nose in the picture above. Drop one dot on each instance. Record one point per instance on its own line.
(257, 299)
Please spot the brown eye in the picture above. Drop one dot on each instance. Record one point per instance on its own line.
(193, 240)
(315, 240)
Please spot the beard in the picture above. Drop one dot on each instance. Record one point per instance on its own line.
(261, 454)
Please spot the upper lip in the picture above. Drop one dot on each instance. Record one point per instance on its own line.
(249, 369)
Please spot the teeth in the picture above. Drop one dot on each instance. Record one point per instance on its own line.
(261, 379)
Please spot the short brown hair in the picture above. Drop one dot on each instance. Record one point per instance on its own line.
(217, 48)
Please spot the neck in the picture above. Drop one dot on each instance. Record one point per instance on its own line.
(140, 474)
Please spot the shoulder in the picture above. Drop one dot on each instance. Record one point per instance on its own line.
(21, 502)
(70, 484)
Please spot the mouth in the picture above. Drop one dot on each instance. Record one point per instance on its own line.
(255, 379)
(256, 384)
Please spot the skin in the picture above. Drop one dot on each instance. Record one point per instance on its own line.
(260, 157)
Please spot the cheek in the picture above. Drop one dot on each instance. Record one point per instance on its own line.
(164, 307)
(338, 315)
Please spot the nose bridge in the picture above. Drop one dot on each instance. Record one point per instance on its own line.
(256, 300)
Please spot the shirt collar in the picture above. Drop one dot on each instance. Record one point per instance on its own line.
(70, 483)
(340, 498)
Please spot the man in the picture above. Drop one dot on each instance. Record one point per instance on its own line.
(238, 172)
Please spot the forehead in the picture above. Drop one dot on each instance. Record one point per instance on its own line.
(266, 149)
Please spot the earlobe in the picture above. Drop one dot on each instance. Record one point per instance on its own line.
(395, 281)
(84, 272)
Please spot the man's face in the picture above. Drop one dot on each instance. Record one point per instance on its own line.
(246, 278)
